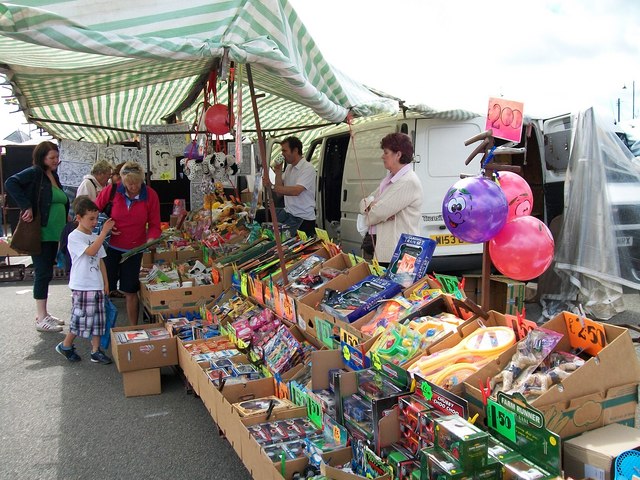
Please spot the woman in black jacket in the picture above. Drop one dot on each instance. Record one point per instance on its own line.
(38, 189)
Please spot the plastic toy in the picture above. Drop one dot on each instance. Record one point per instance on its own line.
(478, 348)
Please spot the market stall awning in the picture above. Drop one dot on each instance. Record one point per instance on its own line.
(123, 64)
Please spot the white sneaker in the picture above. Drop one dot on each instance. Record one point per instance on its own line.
(53, 320)
(45, 326)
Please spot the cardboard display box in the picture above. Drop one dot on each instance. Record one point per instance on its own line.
(153, 256)
(601, 392)
(158, 301)
(142, 382)
(592, 454)
(143, 355)
(306, 307)
(506, 295)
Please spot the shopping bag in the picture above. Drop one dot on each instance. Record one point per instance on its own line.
(111, 314)
(26, 238)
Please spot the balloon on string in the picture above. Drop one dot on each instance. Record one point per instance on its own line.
(518, 193)
(474, 209)
(523, 249)
(216, 119)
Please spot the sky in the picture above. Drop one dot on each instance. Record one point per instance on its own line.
(555, 56)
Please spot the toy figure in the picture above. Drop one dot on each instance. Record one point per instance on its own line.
(522, 358)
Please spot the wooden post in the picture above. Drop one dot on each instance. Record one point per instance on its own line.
(487, 146)
(265, 176)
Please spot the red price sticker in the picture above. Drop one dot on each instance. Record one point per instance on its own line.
(585, 333)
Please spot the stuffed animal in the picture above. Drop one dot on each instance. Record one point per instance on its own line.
(223, 166)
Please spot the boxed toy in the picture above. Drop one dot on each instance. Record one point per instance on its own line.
(410, 259)
(359, 299)
(461, 440)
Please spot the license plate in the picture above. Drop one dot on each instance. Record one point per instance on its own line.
(446, 240)
(625, 241)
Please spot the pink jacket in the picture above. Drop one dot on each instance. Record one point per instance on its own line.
(137, 223)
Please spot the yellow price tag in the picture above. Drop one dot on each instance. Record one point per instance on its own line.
(322, 235)
(336, 434)
(243, 284)
(302, 235)
(348, 338)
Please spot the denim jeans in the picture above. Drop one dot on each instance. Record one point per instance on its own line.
(43, 269)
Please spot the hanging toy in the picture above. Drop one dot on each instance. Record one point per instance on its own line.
(222, 166)
(217, 119)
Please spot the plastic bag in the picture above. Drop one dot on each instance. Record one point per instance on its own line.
(111, 314)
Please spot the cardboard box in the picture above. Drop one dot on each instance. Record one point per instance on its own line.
(601, 392)
(592, 454)
(142, 382)
(7, 251)
(158, 301)
(183, 256)
(153, 256)
(143, 355)
(506, 295)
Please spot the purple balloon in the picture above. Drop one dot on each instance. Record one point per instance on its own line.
(475, 209)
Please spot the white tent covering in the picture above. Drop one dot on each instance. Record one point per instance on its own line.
(598, 248)
(74, 64)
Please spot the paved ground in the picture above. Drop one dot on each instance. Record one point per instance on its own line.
(67, 421)
(70, 421)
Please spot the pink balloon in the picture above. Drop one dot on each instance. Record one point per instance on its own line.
(523, 249)
(518, 193)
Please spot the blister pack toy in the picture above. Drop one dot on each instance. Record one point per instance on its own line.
(388, 312)
(359, 299)
(410, 259)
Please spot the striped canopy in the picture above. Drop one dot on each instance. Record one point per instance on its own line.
(80, 66)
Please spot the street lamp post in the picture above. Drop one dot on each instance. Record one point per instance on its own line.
(633, 100)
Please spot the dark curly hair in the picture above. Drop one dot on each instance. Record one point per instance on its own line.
(294, 143)
(399, 142)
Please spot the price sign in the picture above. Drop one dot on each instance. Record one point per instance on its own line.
(243, 284)
(257, 291)
(298, 396)
(241, 344)
(314, 411)
(324, 331)
(337, 437)
(585, 333)
(302, 235)
(348, 338)
(322, 235)
(352, 259)
(288, 308)
(501, 420)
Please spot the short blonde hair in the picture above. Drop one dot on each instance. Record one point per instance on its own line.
(132, 171)
(101, 166)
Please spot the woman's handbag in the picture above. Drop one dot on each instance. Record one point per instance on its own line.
(27, 239)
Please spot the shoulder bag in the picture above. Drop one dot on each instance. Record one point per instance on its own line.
(27, 238)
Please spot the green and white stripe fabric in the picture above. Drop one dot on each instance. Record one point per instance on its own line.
(123, 64)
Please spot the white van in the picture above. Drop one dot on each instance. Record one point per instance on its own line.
(351, 168)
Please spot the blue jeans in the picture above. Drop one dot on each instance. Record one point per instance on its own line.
(43, 269)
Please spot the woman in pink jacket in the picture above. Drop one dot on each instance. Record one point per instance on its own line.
(135, 207)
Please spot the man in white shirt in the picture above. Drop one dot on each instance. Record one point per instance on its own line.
(298, 186)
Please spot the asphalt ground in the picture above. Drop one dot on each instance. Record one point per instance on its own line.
(65, 421)
(62, 420)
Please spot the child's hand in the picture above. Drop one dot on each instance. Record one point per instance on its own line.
(108, 225)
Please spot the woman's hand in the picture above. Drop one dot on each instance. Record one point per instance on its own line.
(27, 215)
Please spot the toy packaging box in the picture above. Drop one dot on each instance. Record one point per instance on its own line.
(410, 259)
(359, 299)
